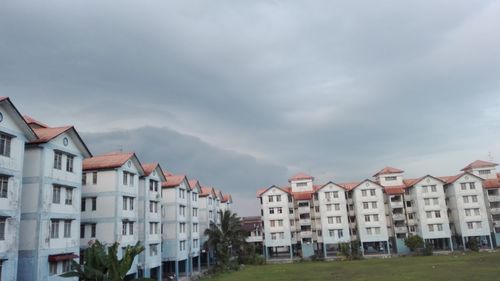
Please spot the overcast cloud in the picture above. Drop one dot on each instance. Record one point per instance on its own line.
(242, 94)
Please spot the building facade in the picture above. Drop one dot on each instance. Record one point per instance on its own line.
(304, 219)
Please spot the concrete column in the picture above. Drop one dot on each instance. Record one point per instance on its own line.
(362, 249)
(463, 242)
(199, 262)
(291, 252)
(388, 248)
(451, 244)
(265, 252)
(324, 250)
(176, 263)
(491, 241)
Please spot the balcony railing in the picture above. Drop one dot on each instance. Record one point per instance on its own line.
(400, 229)
(494, 198)
(495, 211)
(306, 234)
(303, 210)
(305, 222)
(398, 217)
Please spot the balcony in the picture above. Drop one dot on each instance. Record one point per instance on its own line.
(304, 210)
(495, 211)
(306, 234)
(397, 204)
(305, 222)
(400, 229)
(398, 217)
(494, 198)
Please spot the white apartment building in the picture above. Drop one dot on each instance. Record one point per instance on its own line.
(206, 219)
(110, 201)
(370, 211)
(14, 134)
(149, 202)
(194, 242)
(226, 202)
(50, 208)
(176, 222)
(445, 211)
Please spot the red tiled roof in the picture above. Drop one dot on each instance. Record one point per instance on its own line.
(167, 173)
(226, 198)
(349, 185)
(491, 183)
(3, 98)
(149, 168)
(193, 183)
(173, 181)
(31, 121)
(394, 190)
(206, 191)
(451, 179)
(47, 134)
(107, 161)
(388, 170)
(302, 195)
(301, 176)
(479, 164)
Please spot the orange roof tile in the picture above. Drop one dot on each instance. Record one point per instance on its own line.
(301, 176)
(47, 134)
(349, 185)
(149, 168)
(206, 191)
(226, 198)
(479, 164)
(451, 179)
(193, 184)
(491, 183)
(107, 161)
(388, 170)
(173, 181)
(31, 121)
(302, 195)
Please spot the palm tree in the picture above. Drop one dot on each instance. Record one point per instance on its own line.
(101, 263)
(225, 238)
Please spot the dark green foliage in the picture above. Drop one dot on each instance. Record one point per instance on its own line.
(101, 263)
(473, 244)
(355, 253)
(428, 249)
(226, 240)
(414, 242)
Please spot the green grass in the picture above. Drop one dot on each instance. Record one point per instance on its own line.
(473, 266)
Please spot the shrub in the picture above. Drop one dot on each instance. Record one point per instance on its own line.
(414, 242)
(473, 244)
(428, 249)
(355, 254)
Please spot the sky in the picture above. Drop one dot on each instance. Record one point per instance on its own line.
(243, 94)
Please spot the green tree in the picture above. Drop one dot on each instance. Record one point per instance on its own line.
(101, 263)
(414, 242)
(225, 240)
(473, 244)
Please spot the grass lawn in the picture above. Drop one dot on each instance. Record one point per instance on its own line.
(473, 266)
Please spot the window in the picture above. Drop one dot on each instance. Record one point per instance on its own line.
(365, 205)
(125, 203)
(280, 222)
(84, 178)
(329, 207)
(431, 227)
(153, 207)
(69, 196)
(270, 198)
(337, 207)
(195, 212)
(330, 220)
(484, 172)
(182, 227)
(466, 199)
(125, 178)
(338, 219)
(372, 192)
(374, 205)
(131, 228)
(94, 203)
(271, 211)
(390, 178)
(335, 194)
(273, 223)
(331, 232)
(467, 212)
(273, 236)
(470, 225)
(472, 186)
(439, 227)
(56, 194)
(316, 209)
(2, 228)
(375, 217)
(437, 214)
(463, 186)
(182, 245)
(474, 198)
(476, 212)
(369, 231)
(367, 218)
(153, 185)
(410, 216)
(5, 141)
(280, 210)
(124, 228)
(54, 229)
(82, 231)
(182, 193)
(340, 233)
(66, 266)
(195, 227)
(363, 193)
(195, 243)
(67, 228)
(69, 163)
(57, 160)
(84, 205)
(94, 178)
(52, 268)
(93, 230)
(4, 186)
(182, 210)
(153, 249)
(433, 188)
